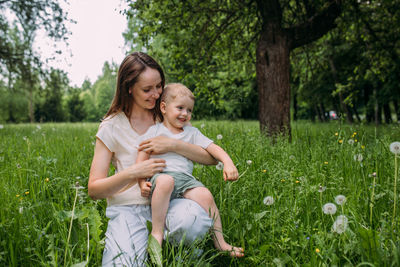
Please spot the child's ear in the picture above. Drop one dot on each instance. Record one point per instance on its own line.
(162, 107)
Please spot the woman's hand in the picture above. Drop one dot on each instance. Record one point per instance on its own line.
(157, 145)
(147, 168)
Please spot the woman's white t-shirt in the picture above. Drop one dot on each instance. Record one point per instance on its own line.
(119, 137)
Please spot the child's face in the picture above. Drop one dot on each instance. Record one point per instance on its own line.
(177, 112)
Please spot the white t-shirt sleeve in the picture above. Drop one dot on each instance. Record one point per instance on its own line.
(105, 134)
(200, 139)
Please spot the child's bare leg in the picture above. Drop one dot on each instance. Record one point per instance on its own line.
(159, 205)
(205, 199)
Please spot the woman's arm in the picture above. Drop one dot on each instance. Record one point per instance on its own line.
(100, 186)
(162, 144)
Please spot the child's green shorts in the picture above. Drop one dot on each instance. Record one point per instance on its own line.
(182, 181)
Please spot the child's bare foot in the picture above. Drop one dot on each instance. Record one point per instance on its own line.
(234, 252)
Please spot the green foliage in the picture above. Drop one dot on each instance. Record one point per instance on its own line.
(51, 109)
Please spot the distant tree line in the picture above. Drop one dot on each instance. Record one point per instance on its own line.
(353, 69)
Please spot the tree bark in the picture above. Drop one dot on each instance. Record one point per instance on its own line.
(343, 105)
(387, 113)
(272, 68)
(396, 110)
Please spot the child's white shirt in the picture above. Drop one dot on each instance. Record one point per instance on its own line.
(174, 161)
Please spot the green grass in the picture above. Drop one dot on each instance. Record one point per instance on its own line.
(39, 169)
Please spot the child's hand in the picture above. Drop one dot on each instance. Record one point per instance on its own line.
(230, 172)
(145, 188)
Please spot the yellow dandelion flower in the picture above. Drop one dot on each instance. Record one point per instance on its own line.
(27, 193)
(326, 163)
(317, 250)
(297, 181)
(17, 195)
(356, 140)
(336, 134)
(340, 141)
(47, 179)
(363, 147)
(354, 133)
(264, 171)
(283, 180)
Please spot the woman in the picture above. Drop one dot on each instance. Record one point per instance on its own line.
(139, 86)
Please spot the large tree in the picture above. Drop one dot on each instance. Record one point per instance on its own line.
(210, 34)
(19, 23)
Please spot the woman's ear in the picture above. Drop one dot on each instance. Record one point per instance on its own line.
(162, 107)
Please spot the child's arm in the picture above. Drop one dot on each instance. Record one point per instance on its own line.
(230, 171)
(145, 187)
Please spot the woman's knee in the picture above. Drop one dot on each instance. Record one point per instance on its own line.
(187, 218)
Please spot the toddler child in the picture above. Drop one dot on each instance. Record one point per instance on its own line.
(176, 180)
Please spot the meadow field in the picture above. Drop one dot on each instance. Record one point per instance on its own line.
(327, 198)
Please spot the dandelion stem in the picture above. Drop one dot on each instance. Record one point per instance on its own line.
(371, 205)
(395, 187)
(70, 225)
(88, 244)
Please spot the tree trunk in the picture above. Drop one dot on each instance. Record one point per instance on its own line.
(369, 107)
(30, 98)
(317, 111)
(295, 107)
(387, 113)
(272, 67)
(378, 115)
(355, 112)
(343, 105)
(396, 110)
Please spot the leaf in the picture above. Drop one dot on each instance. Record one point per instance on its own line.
(370, 244)
(155, 251)
(259, 216)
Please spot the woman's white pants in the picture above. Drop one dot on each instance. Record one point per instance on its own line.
(127, 234)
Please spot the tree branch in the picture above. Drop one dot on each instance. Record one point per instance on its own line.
(316, 26)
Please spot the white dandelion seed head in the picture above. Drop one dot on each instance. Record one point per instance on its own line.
(21, 210)
(340, 225)
(219, 137)
(350, 141)
(268, 200)
(219, 166)
(249, 162)
(329, 208)
(358, 157)
(1, 126)
(38, 127)
(24, 138)
(340, 200)
(395, 148)
(291, 157)
(321, 188)
(202, 125)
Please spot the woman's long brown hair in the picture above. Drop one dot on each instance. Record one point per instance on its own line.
(129, 71)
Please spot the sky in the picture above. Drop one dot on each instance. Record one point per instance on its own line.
(96, 37)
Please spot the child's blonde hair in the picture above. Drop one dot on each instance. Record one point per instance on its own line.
(172, 90)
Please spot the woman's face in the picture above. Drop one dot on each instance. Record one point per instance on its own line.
(147, 89)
